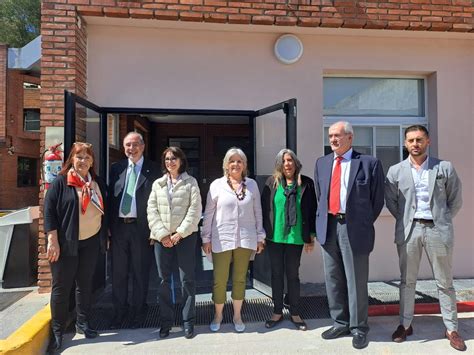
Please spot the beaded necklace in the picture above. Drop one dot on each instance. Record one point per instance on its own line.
(240, 195)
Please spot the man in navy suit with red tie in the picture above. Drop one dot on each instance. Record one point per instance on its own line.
(350, 193)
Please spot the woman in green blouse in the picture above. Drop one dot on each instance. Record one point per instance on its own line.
(289, 212)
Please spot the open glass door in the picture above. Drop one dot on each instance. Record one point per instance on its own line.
(273, 128)
(86, 122)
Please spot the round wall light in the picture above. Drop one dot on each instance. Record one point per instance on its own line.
(288, 49)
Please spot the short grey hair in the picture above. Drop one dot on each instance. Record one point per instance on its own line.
(233, 151)
(346, 125)
(278, 171)
(133, 133)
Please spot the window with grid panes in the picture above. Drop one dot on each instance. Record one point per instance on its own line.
(379, 110)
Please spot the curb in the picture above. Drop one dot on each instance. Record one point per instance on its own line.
(31, 338)
(420, 308)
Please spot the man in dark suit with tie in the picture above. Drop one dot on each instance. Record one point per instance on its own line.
(130, 184)
(350, 193)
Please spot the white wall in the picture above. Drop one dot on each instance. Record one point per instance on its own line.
(157, 67)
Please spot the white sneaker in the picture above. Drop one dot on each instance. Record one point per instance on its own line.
(239, 326)
(214, 326)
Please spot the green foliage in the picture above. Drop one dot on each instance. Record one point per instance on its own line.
(19, 21)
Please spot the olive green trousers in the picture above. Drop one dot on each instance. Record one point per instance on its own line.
(239, 258)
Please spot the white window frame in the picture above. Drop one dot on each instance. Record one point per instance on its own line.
(380, 121)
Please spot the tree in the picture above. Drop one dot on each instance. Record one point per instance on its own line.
(19, 21)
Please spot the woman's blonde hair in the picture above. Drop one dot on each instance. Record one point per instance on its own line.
(233, 151)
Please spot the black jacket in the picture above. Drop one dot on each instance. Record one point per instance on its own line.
(308, 207)
(118, 174)
(61, 213)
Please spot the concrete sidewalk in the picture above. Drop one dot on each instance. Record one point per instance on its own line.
(24, 329)
(428, 338)
(15, 315)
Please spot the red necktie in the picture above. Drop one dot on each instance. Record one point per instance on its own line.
(335, 193)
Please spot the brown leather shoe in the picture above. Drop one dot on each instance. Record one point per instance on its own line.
(400, 335)
(456, 341)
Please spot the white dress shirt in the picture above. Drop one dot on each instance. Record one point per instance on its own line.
(230, 223)
(421, 181)
(345, 169)
(133, 209)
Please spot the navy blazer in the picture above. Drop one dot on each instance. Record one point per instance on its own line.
(117, 178)
(365, 199)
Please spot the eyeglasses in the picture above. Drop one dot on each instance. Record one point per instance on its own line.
(171, 159)
(83, 144)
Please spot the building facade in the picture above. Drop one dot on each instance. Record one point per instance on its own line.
(19, 131)
(383, 65)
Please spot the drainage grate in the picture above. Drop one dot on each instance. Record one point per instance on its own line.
(254, 310)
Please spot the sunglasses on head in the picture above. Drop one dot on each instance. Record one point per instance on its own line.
(83, 144)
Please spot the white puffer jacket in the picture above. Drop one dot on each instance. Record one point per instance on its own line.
(184, 213)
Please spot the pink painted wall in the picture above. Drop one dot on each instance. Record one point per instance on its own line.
(195, 68)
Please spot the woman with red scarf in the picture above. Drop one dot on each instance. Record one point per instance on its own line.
(75, 225)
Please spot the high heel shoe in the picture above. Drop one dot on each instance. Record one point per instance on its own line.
(272, 323)
(299, 325)
(83, 328)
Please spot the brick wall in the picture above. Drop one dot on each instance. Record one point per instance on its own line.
(3, 91)
(433, 15)
(26, 144)
(63, 67)
(31, 97)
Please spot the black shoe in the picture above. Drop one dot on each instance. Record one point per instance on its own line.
(189, 332)
(333, 332)
(55, 343)
(164, 332)
(83, 328)
(359, 341)
(272, 323)
(299, 325)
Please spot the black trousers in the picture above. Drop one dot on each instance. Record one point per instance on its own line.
(132, 252)
(68, 270)
(285, 259)
(185, 254)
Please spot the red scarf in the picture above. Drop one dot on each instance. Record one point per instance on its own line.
(88, 193)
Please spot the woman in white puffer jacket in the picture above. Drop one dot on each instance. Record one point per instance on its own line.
(174, 210)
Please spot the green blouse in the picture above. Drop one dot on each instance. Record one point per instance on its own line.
(295, 236)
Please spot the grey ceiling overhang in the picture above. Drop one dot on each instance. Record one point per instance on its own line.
(27, 57)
